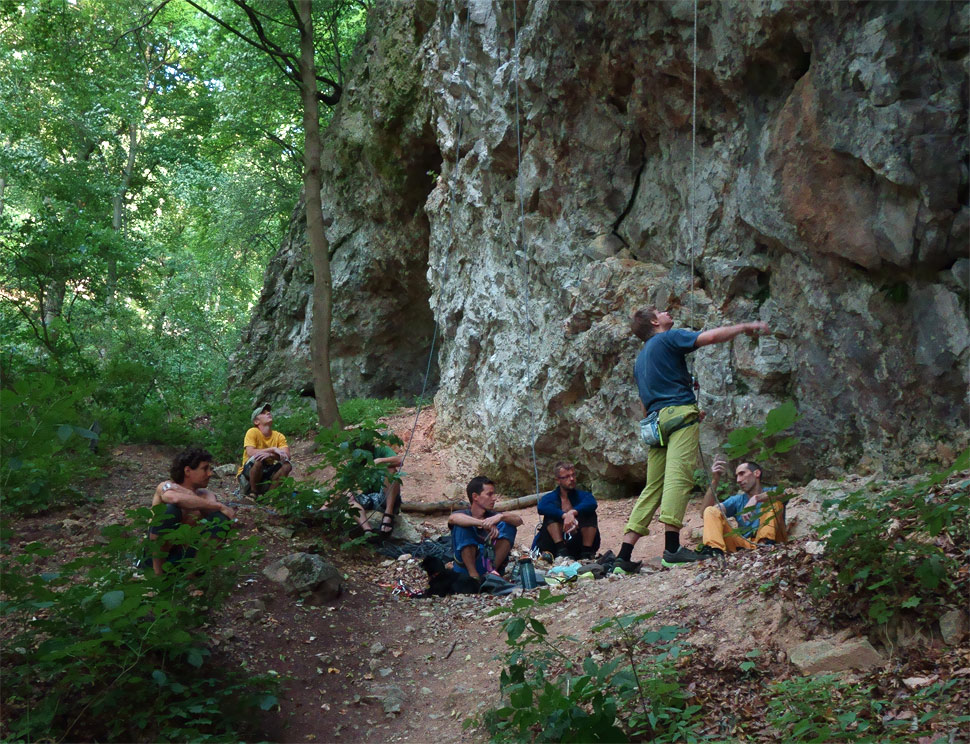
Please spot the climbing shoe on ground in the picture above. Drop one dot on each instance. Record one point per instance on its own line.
(709, 551)
(624, 567)
(680, 558)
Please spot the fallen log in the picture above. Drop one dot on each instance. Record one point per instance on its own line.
(520, 503)
(448, 506)
(433, 507)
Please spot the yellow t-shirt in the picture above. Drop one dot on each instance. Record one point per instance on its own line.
(255, 438)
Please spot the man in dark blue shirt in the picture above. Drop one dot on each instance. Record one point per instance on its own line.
(665, 388)
(482, 539)
(569, 525)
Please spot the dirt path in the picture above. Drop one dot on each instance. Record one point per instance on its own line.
(371, 664)
(374, 665)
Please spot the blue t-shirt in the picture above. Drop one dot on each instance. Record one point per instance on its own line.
(748, 521)
(661, 370)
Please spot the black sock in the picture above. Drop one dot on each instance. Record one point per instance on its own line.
(559, 548)
(626, 551)
(671, 541)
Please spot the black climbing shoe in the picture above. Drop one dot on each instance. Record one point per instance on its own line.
(709, 551)
(682, 557)
(624, 567)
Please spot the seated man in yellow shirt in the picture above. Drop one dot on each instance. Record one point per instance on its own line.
(266, 455)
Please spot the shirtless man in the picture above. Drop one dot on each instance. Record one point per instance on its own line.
(187, 501)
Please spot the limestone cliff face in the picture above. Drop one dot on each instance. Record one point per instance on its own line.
(829, 200)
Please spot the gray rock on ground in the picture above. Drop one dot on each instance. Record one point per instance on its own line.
(306, 573)
(815, 657)
(953, 626)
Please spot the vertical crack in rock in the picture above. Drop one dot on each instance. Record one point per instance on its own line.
(634, 192)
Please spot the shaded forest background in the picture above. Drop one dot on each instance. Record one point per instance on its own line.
(151, 158)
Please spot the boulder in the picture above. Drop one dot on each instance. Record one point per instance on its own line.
(815, 657)
(225, 471)
(953, 626)
(404, 529)
(305, 573)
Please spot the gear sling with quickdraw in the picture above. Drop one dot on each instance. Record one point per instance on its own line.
(655, 435)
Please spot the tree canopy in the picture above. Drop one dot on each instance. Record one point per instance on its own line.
(150, 160)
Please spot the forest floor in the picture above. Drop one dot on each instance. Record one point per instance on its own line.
(377, 666)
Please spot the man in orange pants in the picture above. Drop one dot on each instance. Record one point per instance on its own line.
(758, 514)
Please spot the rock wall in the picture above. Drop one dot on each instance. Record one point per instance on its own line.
(829, 199)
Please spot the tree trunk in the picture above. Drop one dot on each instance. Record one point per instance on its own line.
(327, 412)
(118, 210)
(3, 187)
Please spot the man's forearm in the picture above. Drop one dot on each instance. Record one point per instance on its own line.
(464, 520)
(726, 333)
(709, 497)
(191, 501)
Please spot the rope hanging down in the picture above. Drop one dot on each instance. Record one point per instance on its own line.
(520, 242)
(462, 62)
(693, 208)
(693, 175)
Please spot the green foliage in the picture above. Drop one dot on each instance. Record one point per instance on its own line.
(102, 652)
(822, 709)
(295, 416)
(44, 451)
(149, 173)
(358, 410)
(553, 696)
(350, 452)
(884, 550)
(762, 442)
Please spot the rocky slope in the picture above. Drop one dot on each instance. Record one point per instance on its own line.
(829, 200)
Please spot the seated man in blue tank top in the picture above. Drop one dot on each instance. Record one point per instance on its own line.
(481, 539)
(569, 525)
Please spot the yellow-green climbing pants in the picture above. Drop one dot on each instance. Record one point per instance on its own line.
(670, 473)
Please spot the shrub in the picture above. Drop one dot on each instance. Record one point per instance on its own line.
(359, 410)
(554, 696)
(887, 548)
(826, 709)
(43, 450)
(102, 651)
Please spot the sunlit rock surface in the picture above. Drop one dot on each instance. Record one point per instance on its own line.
(830, 201)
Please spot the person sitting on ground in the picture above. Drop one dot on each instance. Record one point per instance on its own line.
(482, 539)
(266, 455)
(187, 501)
(381, 492)
(569, 525)
(760, 517)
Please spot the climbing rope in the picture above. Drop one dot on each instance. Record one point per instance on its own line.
(693, 210)
(462, 63)
(521, 248)
(693, 175)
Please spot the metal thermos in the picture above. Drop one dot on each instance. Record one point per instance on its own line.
(528, 573)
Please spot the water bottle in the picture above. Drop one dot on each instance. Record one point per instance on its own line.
(528, 573)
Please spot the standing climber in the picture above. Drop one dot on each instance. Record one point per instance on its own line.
(670, 410)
